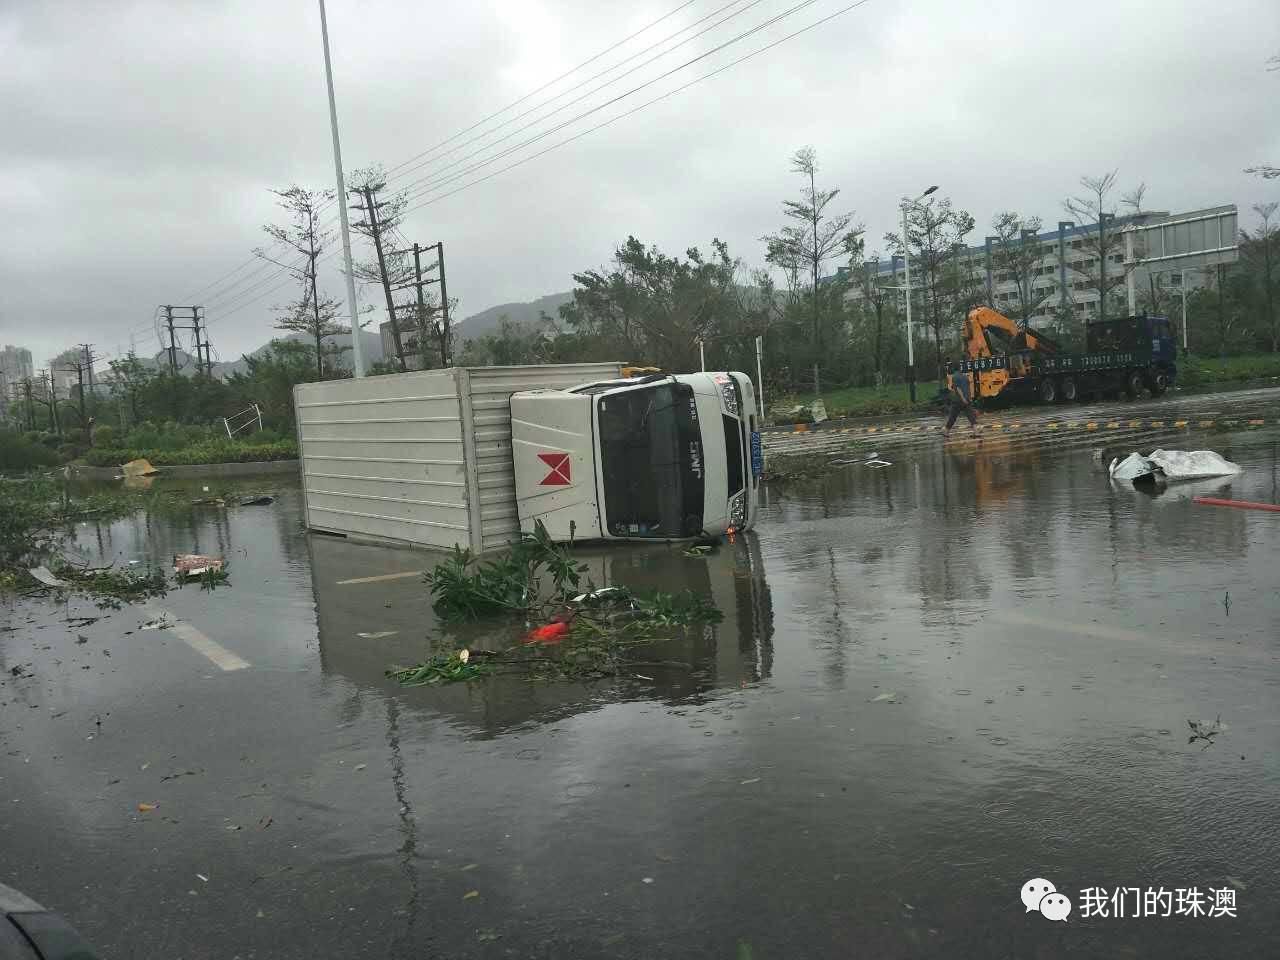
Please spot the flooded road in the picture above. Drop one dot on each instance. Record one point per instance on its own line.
(934, 681)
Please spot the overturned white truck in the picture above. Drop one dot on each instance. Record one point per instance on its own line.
(473, 456)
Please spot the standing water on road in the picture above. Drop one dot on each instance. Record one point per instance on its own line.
(935, 682)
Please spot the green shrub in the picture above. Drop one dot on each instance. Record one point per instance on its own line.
(210, 451)
(105, 436)
(18, 452)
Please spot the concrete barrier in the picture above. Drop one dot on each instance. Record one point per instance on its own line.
(255, 468)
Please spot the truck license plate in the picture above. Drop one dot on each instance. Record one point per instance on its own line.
(757, 455)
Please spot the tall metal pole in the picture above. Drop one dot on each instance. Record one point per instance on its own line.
(911, 351)
(702, 354)
(357, 351)
(760, 375)
(1184, 311)
(444, 307)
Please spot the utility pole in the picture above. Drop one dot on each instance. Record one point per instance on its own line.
(421, 333)
(84, 418)
(195, 327)
(357, 351)
(46, 376)
(31, 409)
(375, 230)
(173, 355)
(88, 361)
(444, 306)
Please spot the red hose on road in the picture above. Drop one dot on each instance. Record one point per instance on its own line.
(1241, 504)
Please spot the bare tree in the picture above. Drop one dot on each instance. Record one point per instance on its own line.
(392, 266)
(935, 238)
(1259, 251)
(1016, 256)
(1103, 268)
(816, 238)
(1265, 170)
(1133, 199)
(312, 313)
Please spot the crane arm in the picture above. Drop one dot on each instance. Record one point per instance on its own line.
(983, 325)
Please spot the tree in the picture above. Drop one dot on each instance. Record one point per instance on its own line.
(815, 238)
(877, 304)
(269, 381)
(1265, 170)
(655, 308)
(312, 313)
(1101, 270)
(934, 241)
(129, 377)
(1259, 253)
(1016, 256)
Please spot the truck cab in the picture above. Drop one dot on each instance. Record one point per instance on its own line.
(653, 457)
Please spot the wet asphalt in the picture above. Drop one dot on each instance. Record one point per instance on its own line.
(935, 681)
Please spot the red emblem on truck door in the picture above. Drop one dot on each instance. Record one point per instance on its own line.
(559, 465)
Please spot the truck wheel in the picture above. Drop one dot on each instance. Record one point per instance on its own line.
(1068, 390)
(1133, 385)
(1158, 383)
(1048, 390)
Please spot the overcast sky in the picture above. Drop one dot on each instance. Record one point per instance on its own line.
(138, 141)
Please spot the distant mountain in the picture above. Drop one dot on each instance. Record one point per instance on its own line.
(489, 321)
(371, 342)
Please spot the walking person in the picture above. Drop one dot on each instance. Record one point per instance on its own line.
(960, 399)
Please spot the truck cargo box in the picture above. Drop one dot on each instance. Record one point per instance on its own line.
(421, 458)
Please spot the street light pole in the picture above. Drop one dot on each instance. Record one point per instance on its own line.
(1183, 284)
(357, 349)
(906, 263)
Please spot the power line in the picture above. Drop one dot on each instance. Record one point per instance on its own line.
(647, 103)
(614, 119)
(467, 130)
(579, 85)
(532, 93)
(790, 11)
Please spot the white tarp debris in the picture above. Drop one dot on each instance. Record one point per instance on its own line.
(42, 574)
(1193, 464)
(1173, 466)
(1132, 467)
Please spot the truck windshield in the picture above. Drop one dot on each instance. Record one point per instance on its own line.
(651, 458)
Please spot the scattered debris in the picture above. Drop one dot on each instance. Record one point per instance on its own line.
(201, 876)
(257, 501)
(551, 633)
(879, 463)
(195, 564)
(1205, 731)
(42, 574)
(752, 780)
(147, 807)
(884, 698)
(139, 468)
(162, 623)
(377, 635)
(646, 879)
(471, 895)
(184, 773)
(700, 550)
(1172, 466)
(486, 935)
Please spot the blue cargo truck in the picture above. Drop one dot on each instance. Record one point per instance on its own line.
(1131, 355)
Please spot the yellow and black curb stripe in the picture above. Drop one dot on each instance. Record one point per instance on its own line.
(1086, 425)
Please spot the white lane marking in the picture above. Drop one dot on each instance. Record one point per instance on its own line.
(206, 646)
(380, 579)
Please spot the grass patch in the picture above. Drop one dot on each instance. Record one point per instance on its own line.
(1197, 370)
(209, 451)
(893, 399)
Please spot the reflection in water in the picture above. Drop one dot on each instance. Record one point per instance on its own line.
(395, 611)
